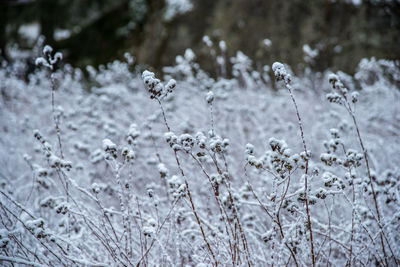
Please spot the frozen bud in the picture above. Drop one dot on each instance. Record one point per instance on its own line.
(333, 78)
(129, 58)
(57, 58)
(280, 72)
(217, 145)
(42, 172)
(222, 46)
(48, 202)
(201, 140)
(220, 60)
(62, 208)
(27, 157)
(210, 97)
(225, 142)
(171, 84)
(170, 137)
(249, 149)
(315, 171)
(334, 98)
(187, 141)
(96, 188)
(207, 41)
(124, 152)
(147, 75)
(47, 50)
(258, 164)
(110, 148)
(150, 191)
(277, 145)
(108, 145)
(152, 84)
(182, 190)
(41, 62)
(267, 42)
(133, 134)
(162, 169)
(37, 135)
(170, 87)
(305, 155)
(130, 155)
(354, 97)
(334, 132)
(148, 231)
(36, 227)
(4, 240)
(268, 236)
(251, 160)
(189, 54)
(329, 179)
(172, 140)
(54, 161)
(67, 165)
(337, 84)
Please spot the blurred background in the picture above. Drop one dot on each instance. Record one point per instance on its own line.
(336, 33)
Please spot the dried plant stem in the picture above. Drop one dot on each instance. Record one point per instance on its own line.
(306, 172)
(382, 233)
(235, 212)
(274, 220)
(189, 192)
(222, 211)
(158, 231)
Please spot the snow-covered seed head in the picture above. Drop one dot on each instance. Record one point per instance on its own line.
(334, 132)
(37, 228)
(277, 145)
(57, 58)
(162, 169)
(201, 140)
(37, 135)
(336, 83)
(171, 85)
(354, 97)
(268, 236)
(210, 97)
(131, 155)
(40, 61)
(124, 152)
(150, 191)
(96, 188)
(249, 149)
(172, 140)
(48, 60)
(280, 72)
(108, 145)
(110, 148)
(47, 50)
(187, 141)
(218, 145)
(176, 187)
(153, 85)
(207, 41)
(333, 78)
(334, 98)
(222, 46)
(133, 134)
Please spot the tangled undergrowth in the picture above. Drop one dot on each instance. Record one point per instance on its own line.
(237, 170)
